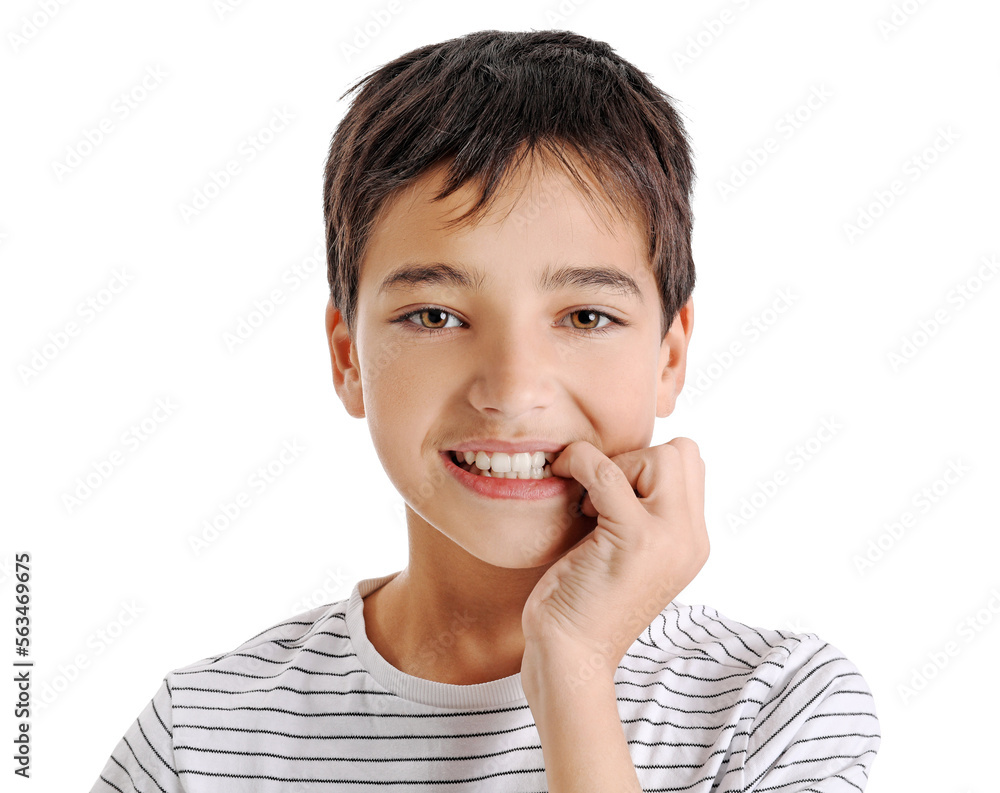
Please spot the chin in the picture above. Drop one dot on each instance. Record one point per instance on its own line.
(537, 548)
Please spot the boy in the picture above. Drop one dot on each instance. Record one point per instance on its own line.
(483, 196)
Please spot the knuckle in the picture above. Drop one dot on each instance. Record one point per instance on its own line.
(685, 447)
(608, 472)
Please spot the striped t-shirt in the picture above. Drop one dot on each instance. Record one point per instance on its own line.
(308, 705)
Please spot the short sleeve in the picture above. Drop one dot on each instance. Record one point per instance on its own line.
(817, 730)
(144, 758)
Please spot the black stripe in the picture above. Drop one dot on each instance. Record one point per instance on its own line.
(158, 755)
(109, 783)
(331, 759)
(160, 719)
(142, 767)
(367, 781)
(126, 771)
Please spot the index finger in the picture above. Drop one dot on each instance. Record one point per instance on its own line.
(609, 488)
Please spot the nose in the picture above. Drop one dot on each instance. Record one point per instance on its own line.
(514, 371)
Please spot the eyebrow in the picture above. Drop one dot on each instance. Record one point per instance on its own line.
(414, 274)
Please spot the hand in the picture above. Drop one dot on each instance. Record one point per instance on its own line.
(649, 543)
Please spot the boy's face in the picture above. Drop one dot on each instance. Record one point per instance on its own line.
(512, 361)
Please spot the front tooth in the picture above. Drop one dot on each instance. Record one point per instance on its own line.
(520, 465)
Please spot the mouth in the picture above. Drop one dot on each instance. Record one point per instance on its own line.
(538, 482)
(503, 465)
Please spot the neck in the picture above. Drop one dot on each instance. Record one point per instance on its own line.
(448, 616)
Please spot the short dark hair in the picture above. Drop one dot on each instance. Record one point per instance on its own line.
(484, 101)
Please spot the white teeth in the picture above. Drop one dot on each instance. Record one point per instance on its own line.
(520, 465)
(504, 463)
(499, 463)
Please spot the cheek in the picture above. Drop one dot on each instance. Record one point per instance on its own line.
(403, 407)
(623, 407)
(625, 379)
(393, 380)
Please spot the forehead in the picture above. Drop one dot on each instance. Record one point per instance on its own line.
(539, 215)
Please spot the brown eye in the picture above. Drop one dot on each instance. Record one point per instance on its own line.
(588, 312)
(435, 313)
(427, 320)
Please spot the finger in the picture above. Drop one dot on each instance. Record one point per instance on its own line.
(657, 471)
(684, 504)
(608, 488)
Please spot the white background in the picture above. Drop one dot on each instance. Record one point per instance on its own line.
(332, 517)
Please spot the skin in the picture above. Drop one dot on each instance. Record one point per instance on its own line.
(513, 362)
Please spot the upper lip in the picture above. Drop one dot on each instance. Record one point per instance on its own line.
(510, 447)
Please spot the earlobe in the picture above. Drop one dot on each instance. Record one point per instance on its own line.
(344, 361)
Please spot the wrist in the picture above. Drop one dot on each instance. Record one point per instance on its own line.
(559, 671)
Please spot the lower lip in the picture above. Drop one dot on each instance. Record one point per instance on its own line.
(495, 487)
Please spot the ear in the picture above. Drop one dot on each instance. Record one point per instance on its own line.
(673, 360)
(344, 358)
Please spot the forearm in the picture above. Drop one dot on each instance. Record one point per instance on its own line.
(583, 742)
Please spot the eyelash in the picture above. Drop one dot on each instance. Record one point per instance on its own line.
(418, 329)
